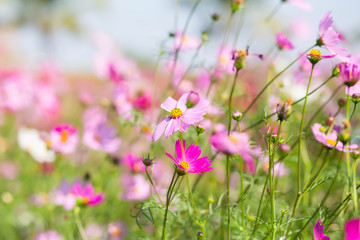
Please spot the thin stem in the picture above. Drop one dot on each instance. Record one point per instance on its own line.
(228, 192)
(230, 99)
(299, 153)
(352, 114)
(355, 200)
(241, 198)
(79, 224)
(168, 197)
(190, 194)
(272, 80)
(152, 184)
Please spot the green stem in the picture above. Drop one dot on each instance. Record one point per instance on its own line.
(352, 114)
(230, 99)
(355, 200)
(79, 224)
(228, 192)
(168, 197)
(152, 184)
(190, 195)
(299, 154)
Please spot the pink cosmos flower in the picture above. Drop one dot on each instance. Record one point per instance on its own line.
(47, 103)
(64, 139)
(137, 187)
(122, 102)
(235, 143)
(301, 4)
(330, 38)
(87, 196)
(8, 170)
(49, 235)
(280, 169)
(225, 63)
(283, 42)
(187, 159)
(102, 137)
(133, 163)
(319, 232)
(184, 42)
(329, 139)
(350, 71)
(142, 101)
(352, 229)
(180, 117)
(116, 230)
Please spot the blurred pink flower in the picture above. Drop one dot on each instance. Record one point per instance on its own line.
(47, 103)
(102, 137)
(280, 169)
(283, 42)
(235, 143)
(64, 139)
(301, 29)
(350, 71)
(133, 163)
(330, 38)
(225, 62)
(184, 42)
(94, 231)
(62, 196)
(94, 116)
(8, 170)
(86, 196)
(142, 101)
(189, 160)
(122, 102)
(136, 187)
(319, 232)
(352, 229)
(181, 116)
(329, 139)
(49, 235)
(116, 230)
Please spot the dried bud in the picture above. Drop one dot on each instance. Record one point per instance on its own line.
(355, 98)
(330, 120)
(192, 99)
(284, 110)
(341, 102)
(215, 17)
(147, 161)
(237, 115)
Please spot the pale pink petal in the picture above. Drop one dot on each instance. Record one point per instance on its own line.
(182, 102)
(159, 130)
(169, 104)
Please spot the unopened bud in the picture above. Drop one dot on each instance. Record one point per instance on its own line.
(330, 120)
(199, 129)
(215, 17)
(341, 102)
(237, 115)
(355, 98)
(239, 58)
(200, 236)
(148, 161)
(336, 71)
(192, 99)
(355, 154)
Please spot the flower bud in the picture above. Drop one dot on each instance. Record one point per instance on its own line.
(192, 99)
(285, 148)
(148, 161)
(171, 34)
(341, 102)
(336, 71)
(200, 236)
(355, 98)
(330, 120)
(215, 17)
(284, 110)
(239, 58)
(355, 154)
(211, 199)
(237, 115)
(199, 129)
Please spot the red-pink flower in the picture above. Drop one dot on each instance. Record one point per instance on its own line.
(330, 38)
(133, 163)
(86, 196)
(319, 232)
(187, 159)
(181, 116)
(64, 139)
(352, 229)
(283, 42)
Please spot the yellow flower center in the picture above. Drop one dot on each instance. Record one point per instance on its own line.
(85, 200)
(64, 135)
(315, 52)
(184, 39)
(242, 53)
(176, 113)
(330, 141)
(233, 139)
(185, 165)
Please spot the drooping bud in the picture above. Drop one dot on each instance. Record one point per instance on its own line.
(341, 102)
(355, 98)
(192, 99)
(237, 115)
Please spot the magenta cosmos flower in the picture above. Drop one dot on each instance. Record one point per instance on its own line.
(181, 116)
(330, 38)
(319, 232)
(283, 42)
(86, 196)
(329, 139)
(64, 139)
(352, 229)
(235, 143)
(187, 159)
